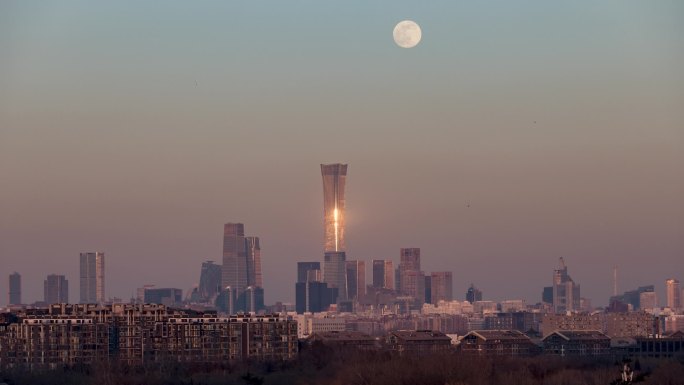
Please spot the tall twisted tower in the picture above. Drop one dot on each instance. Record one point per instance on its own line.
(334, 178)
(334, 270)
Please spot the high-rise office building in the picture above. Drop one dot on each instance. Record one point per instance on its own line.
(314, 296)
(234, 269)
(442, 286)
(253, 250)
(413, 285)
(15, 289)
(428, 289)
(241, 265)
(632, 297)
(254, 299)
(335, 272)
(56, 289)
(356, 279)
(648, 300)
(334, 179)
(409, 260)
(210, 281)
(383, 274)
(314, 276)
(673, 293)
(473, 294)
(566, 293)
(304, 267)
(92, 277)
(164, 296)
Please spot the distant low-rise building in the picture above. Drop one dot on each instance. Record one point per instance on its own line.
(498, 343)
(576, 343)
(669, 345)
(344, 339)
(418, 342)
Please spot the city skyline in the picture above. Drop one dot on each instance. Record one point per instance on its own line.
(508, 138)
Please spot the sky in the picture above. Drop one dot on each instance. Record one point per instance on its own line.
(515, 133)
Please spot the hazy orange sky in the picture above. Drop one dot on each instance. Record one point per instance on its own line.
(138, 129)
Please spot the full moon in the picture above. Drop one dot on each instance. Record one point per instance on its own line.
(407, 34)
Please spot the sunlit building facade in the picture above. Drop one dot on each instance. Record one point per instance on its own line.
(334, 267)
(673, 293)
(334, 179)
(253, 250)
(92, 277)
(383, 274)
(356, 279)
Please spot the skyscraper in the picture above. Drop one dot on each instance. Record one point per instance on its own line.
(566, 293)
(303, 269)
(15, 289)
(413, 285)
(673, 292)
(334, 270)
(334, 178)
(383, 274)
(356, 279)
(241, 266)
(409, 260)
(648, 300)
(442, 286)
(210, 281)
(473, 294)
(92, 277)
(253, 262)
(234, 270)
(56, 289)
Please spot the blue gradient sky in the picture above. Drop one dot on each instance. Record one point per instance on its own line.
(139, 128)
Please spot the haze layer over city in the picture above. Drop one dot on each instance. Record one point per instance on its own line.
(512, 135)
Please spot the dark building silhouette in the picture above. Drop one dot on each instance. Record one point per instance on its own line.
(210, 281)
(15, 289)
(253, 299)
(428, 289)
(164, 296)
(56, 289)
(304, 267)
(633, 297)
(314, 296)
(547, 295)
(473, 294)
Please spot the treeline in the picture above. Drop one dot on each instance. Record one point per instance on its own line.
(321, 364)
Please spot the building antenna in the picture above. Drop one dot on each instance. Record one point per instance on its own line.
(615, 289)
